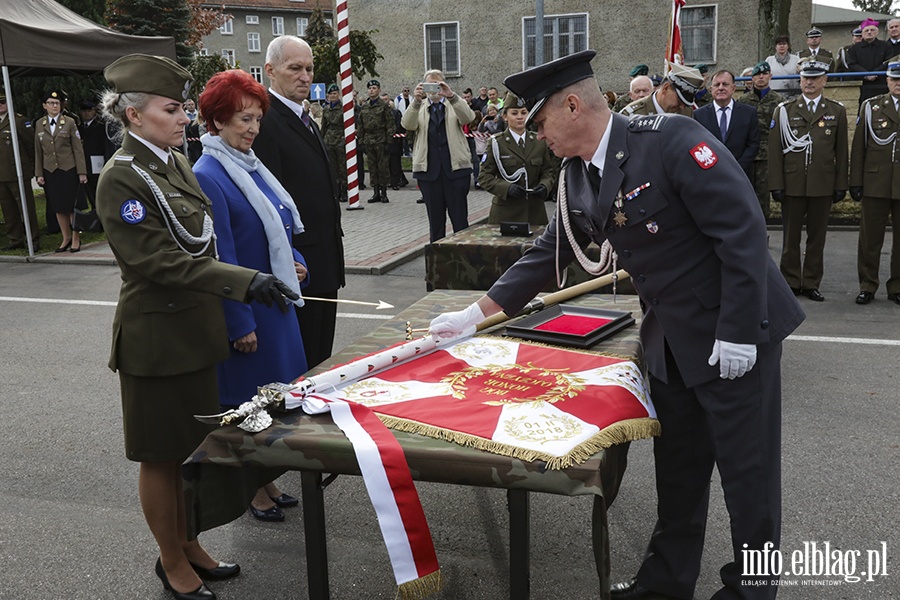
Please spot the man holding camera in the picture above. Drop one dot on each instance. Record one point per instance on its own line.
(442, 162)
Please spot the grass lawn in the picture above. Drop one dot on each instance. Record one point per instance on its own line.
(48, 242)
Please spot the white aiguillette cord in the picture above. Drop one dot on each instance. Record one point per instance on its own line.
(608, 258)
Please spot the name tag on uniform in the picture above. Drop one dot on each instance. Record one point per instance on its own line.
(174, 195)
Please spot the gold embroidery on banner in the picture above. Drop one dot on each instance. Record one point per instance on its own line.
(542, 428)
(515, 384)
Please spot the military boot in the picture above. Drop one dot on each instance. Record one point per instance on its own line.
(384, 198)
(376, 197)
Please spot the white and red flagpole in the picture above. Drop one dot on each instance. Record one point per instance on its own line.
(347, 102)
(674, 48)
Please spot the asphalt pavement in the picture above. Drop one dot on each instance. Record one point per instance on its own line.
(72, 528)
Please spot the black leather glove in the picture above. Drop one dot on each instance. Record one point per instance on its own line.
(838, 196)
(540, 192)
(268, 289)
(517, 192)
(778, 195)
(856, 193)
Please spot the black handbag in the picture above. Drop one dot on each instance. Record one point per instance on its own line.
(84, 220)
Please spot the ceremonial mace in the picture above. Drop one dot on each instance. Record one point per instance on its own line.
(252, 416)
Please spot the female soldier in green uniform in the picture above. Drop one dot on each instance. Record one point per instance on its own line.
(517, 169)
(169, 330)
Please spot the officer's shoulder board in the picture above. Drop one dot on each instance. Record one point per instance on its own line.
(629, 109)
(829, 100)
(642, 123)
(123, 160)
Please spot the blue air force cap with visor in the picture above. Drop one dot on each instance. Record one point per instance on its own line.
(536, 85)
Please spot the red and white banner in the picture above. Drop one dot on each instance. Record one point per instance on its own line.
(514, 398)
(674, 48)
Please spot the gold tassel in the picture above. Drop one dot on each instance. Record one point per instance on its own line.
(628, 430)
(422, 587)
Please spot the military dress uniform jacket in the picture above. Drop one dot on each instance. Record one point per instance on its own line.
(169, 319)
(823, 169)
(694, 243)
(60, 150)
(875, 167)
(376, 123)
(26, 149)
(822, 55)
(539, 170)
(646, 106)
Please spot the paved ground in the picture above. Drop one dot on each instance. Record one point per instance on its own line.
(71, 526)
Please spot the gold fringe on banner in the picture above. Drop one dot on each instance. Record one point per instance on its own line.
(422, 587)
(629, 430)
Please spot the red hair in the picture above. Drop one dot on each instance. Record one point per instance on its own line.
(226, 93)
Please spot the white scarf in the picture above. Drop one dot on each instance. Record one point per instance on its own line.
(239, 165)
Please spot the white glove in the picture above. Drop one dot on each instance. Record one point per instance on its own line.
(734, 359)
(455, 324)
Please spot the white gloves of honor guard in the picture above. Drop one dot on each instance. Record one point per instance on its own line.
(455, 324)
(734, 360)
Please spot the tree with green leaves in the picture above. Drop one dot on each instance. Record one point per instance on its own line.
(154, 17)
(884, 7)
(203, 68)
(321, 38)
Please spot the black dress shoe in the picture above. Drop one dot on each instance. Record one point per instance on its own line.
(220, 572)
(273, 515)
(420, 201)
(201, 593)
(865, 297)
(895, 298)
(285, 501)
(630, 590)
(813, 295)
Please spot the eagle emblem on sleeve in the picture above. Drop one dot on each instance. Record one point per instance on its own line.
(704, 155)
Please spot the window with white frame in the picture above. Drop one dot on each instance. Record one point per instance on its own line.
(442, 48)
(228, 55)
(256, 72)
(329, 22)
(277, 26)
(252, 42)
(203, 52)
(227, 28)
(302, 24)
(698, 34)
(563, 35)
(252, 19)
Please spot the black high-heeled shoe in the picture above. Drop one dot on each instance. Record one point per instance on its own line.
(64, 248)
(219, 572)
(201, 593)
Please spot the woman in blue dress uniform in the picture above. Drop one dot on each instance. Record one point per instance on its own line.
(254, 219)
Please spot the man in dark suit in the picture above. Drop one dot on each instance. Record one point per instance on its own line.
(733, 123)
(290, 145)
(685, 222)
(96, 149)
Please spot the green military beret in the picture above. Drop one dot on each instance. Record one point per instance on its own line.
(333, 88)
(639, 70)
(761, 67)
(374, 82)
(149, 75)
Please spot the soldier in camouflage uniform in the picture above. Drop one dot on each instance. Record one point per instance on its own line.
(703, 96)
(333, 135)
(376, 130)
(675, 95)
(765, 100)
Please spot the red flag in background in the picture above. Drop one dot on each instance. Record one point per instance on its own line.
(674, 49)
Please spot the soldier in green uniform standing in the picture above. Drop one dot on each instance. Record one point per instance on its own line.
(626, 98)
(765, 99)
(875, 181)
(376, 131)
(675, 95)
(808, 162)
(169, 329)
(517, 169)
(10, 201)
(333, 135)
(815, 51)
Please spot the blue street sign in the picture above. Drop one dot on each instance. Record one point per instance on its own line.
(317, 91)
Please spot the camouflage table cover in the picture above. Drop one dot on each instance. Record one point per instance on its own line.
(228, 467)
(474, 258)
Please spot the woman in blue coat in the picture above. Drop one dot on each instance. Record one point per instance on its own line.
(254, 219)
